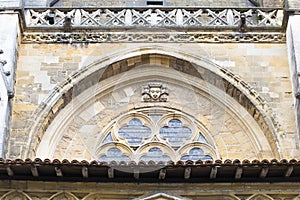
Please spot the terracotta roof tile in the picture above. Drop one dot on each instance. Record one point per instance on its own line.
(194, 171)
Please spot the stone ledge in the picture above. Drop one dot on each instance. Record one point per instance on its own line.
(150, 37)
(293, 4)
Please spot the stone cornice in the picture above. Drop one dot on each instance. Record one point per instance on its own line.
(152, 37)
(95, 171)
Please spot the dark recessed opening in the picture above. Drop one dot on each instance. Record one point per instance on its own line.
(155, 3)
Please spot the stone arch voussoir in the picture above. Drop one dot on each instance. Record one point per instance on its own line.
(196, 66)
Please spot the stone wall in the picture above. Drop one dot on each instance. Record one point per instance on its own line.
(35, 3)
(91, 191)
(9, 46)
(42, 66)
(294, 4)
(212, 3)
(10, 3)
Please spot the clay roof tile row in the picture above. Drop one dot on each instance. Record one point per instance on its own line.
(227, 162)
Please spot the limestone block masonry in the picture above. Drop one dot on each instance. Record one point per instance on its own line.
(244, 39)
(149, 99)
(42, 66)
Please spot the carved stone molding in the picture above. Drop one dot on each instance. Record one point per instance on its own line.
(149, 37)
(146, 191)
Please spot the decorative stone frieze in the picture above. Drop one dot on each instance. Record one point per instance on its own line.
(151, 37)
(147, 191)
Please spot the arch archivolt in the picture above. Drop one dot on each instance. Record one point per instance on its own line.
(74, 117)
(259, 197)
(15, 194)
(63, 195)
(227, 125)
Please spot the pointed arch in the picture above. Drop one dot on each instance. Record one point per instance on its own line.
(260, 197)
(161, 196)
(15, 195)
(197, 67)
(297, 198)
(63, 196)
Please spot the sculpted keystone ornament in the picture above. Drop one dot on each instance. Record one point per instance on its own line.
(155, 91)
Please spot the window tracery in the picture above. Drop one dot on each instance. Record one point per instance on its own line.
(154, 136)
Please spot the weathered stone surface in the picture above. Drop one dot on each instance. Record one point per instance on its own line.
(264, 66)
(293, 4)
(35, 3)
(10, 3)
(233, 3)
(106, 191)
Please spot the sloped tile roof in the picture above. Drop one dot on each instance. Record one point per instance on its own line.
(189, 171)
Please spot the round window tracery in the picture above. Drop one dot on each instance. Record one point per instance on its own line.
(155, 154)
(175, 132)
(115, 154)
(196, 154)
(145, 136)
(134, 132)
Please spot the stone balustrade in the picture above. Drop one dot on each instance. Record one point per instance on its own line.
(194, 18)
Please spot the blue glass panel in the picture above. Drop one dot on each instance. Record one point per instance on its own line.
(196, 154)
(175, 132)
(155, 154)
(202, 139)
(108, 138)
(114, 154)
(134, 132)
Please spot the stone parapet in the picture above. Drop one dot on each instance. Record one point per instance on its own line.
(235, 3)
(147, 18)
